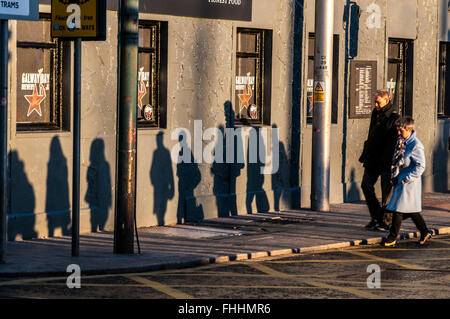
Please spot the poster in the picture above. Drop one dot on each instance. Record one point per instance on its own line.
(363, 83)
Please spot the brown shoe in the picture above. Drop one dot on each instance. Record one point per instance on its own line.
(423, 239)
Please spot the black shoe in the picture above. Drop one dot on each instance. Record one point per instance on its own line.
(424, 238)
(371, 224)
(381, 227)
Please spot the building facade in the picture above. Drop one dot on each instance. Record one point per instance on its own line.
(216, 81)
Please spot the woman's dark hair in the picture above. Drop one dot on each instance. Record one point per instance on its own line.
(406, 122)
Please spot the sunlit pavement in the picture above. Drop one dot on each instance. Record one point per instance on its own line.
(405, 271)
(217, 240)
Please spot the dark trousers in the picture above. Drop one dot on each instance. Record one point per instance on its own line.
(368, 187)
(397, 219)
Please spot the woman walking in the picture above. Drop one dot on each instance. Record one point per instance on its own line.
(407, 167)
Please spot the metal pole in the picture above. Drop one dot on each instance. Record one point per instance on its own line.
(76, 149)
(323, 63)
(3, 136)
(126, 170)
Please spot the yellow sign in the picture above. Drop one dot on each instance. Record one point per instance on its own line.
(319, 97)
(76, 18)
(319, 91)
(319, 87)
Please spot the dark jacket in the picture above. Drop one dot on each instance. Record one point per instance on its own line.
(380, 144)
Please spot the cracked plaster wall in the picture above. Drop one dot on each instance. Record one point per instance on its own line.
(201, 69)
(201, 72)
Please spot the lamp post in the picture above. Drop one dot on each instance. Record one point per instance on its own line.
(323, 64)
(3, 135)
(127, 135)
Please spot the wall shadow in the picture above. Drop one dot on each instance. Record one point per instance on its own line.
(189, 178)
(353, 194)
(161, 177)
(255, 179)
(21, 217)
(98, 194)
(281, 178)
(350, 21)
(220, 170)
(57, 205)
(440, 158)
(225, 174)
(294, 152)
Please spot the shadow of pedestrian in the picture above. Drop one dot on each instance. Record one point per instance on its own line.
(161, 177)
(220, 170)
(189, 178)
(353, 193)
(98, 194)
(255, 177)
(21, 218)
(441, 158)
(57, 206)
(226, 172)
(281, 178)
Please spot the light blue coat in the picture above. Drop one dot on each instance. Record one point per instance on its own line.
(407, 195)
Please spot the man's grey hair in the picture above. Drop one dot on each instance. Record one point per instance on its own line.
(381, 93)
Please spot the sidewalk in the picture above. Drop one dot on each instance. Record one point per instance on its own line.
(217, 240)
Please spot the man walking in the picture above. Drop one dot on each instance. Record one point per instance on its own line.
(377, 157)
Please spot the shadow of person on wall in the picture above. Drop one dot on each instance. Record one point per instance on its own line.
(255, 176)
(281, 178)
(161, 177)
(220, 171)
(235, 166)
(21, 218)
(226, 173)
(441, 159)
(57, 206)
(189, 178)
(98, 194)
(353, 193)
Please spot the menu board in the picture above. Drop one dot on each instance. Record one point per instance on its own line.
(212, 9)
(363, 83)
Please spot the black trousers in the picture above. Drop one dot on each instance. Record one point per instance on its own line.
(397, 219)
(369, 180)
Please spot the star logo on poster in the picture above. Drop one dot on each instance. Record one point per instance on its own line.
(246, 95)
(36, 99)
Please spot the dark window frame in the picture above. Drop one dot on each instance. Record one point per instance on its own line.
(443, 110)
(404, 80)
(59, 95)
(159, 92)
(335, 77)
(264, 83)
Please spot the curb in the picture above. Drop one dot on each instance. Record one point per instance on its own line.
(224, 259)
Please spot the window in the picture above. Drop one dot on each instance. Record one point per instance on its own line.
(444, 81)
(42, 103)
(253, 76)
(310, 83)
(152, 74)
(400, 75)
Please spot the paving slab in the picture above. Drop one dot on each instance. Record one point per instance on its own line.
(217, 240)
